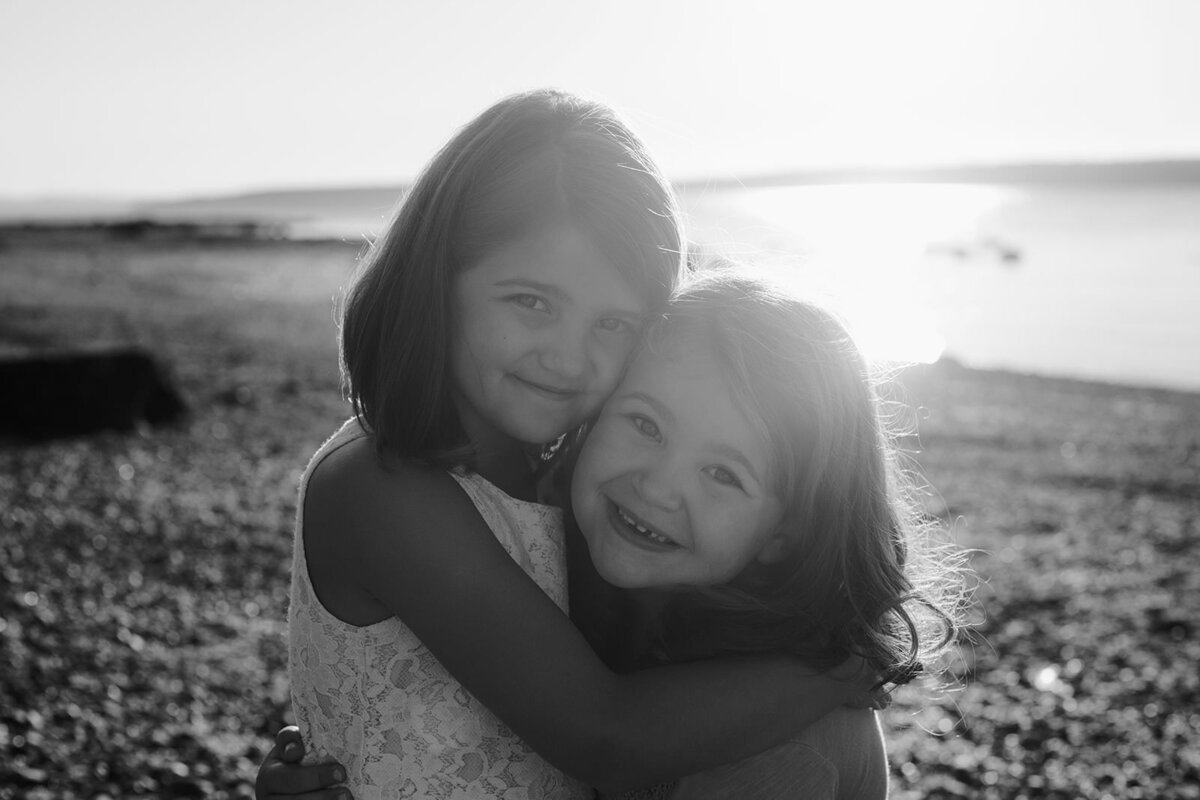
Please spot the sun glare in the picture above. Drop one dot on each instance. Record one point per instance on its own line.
(865, 250)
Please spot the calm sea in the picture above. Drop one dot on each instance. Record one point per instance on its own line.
(1088, 281)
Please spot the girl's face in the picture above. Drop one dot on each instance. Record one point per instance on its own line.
(672, 486)
(543, 328)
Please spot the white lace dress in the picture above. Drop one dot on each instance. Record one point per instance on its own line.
(375, 699)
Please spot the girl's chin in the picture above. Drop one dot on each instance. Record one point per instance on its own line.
(640, 585)
(620, 580)
(533, 437)
(615, 573)
(544, 429)
(623, 575)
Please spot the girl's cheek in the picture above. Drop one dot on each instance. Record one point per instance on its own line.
(618, 358)
(612, 375)
(605, 448)
(628, 457)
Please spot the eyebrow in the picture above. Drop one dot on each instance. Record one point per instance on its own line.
(558, 294)
(526, 283)
(653, 402)
(733, 454)
(724, 450)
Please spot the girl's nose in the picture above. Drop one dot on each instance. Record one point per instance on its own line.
(658, 483)
(565, 355)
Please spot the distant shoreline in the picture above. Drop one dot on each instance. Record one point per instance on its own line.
(289, 205)
(1083, 173)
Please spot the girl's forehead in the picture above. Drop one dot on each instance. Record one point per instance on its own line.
(686, 365)
(564, 260)
(693, 390)
(675, 368)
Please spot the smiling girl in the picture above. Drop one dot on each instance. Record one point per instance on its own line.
(741, 489)
(429, 648)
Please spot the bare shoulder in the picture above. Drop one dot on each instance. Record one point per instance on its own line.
(366, 494)
(368, 525)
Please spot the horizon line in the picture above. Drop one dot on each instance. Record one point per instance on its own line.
(1156, 169)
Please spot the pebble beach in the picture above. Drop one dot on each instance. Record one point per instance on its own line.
(144, 575)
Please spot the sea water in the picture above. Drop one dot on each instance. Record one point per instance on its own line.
(1089, 281)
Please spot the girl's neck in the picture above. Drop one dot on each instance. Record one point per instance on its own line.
(648, 604)
(501, 459)
(645, 610)
(510, 469)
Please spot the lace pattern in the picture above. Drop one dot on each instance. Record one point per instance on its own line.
(375, 699)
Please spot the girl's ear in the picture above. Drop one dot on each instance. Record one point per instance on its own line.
(775, 549)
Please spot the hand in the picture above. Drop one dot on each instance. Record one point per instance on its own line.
(876, 699)
(282, 776)
(864, 685)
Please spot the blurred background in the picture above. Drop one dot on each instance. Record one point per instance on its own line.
(1008, 184)
(1008, 193)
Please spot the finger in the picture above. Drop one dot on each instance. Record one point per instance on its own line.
(290, 745)
(857, 670)
(290, 733)
(341, 793)
(331, 773)
(294, 779)
(860, 700)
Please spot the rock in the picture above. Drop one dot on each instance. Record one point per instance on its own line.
(81, 393)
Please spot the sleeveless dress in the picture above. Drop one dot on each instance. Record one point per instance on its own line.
(375, 699)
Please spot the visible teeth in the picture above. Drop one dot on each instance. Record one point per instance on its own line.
(642, 529)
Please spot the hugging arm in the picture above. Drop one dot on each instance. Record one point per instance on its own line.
(417, 545)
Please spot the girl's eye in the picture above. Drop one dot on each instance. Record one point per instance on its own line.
(725, 477)
(645, 426)
(612, 324)
(531, 301)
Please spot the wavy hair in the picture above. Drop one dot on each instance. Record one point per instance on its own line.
(531, 161)
(860, 576)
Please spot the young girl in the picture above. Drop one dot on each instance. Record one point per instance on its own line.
(429, 651)
(740, 489)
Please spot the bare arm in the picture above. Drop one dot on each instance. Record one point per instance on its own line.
(412, 540)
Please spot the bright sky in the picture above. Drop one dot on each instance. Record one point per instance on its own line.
(153, 98)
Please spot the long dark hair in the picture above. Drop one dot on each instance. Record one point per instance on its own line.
(857, 578)
(532, 160)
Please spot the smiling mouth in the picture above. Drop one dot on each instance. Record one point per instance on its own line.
(552, 392)
(637, 531)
